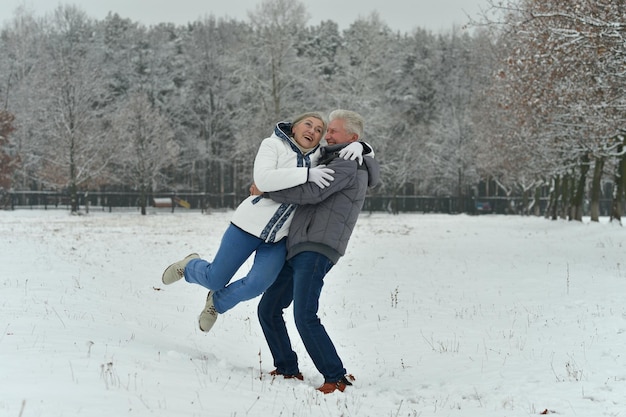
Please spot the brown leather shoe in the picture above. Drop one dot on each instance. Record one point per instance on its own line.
(340, 385)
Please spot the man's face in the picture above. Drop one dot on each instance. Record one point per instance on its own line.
(337, 133)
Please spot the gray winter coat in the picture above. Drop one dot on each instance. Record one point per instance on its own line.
(325, 218)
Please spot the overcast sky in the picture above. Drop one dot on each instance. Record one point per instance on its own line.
(402, 15)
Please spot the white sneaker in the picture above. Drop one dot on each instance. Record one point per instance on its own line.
(176, 271)
(207, 318)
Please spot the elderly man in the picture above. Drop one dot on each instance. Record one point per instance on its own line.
(318, 237)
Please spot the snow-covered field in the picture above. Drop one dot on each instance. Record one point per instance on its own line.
(435, 315)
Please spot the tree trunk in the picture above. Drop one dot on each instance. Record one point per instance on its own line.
(619, 187)
(596, 189)
(525, 202)
(564, 197)
(537, 202)
(222, 185)
(142, 199)
(392, 205)
(579, 193)
(73, 187)
(553, 208)
(73, 197)
(236, 182)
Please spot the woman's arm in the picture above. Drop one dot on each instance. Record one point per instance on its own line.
(271, 167)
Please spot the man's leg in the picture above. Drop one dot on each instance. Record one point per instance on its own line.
(235, 248)
(268, 261)
(275, 299)
(309, 269)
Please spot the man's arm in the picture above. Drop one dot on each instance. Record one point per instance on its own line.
(309, 193)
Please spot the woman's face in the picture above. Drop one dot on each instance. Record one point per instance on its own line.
(308, 132)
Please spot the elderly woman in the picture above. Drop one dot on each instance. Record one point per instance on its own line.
(284, 160)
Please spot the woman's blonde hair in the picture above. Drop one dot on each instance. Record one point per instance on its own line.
(314, 114)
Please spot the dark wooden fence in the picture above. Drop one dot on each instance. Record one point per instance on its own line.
(111, 201)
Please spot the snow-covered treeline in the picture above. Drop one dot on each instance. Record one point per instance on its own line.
(557, 101)
(526, 102)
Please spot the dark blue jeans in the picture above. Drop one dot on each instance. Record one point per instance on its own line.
(301, 281)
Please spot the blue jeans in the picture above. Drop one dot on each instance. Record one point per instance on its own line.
(301, 281)
(235, 248)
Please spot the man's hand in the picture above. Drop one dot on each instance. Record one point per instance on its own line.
(321, 176)
(352, 151)
(254, 190)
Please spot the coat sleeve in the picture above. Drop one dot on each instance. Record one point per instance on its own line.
(309, 193)
(269, 175)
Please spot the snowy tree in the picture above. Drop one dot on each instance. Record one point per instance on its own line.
(21, 47)
(508, 150)
(566, 81)
(451, 148)
(121, 58)
(363, 64)
(277, 25)
(8, 159)
(146, 146)
(552, 118)
(206, 102)
(319, 46)
(403, 130)
(71, 90)
(272, 82)
(377, 74)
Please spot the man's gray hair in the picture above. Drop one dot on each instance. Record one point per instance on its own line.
(353, 122)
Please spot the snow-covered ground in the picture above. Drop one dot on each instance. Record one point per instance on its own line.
(435, 315)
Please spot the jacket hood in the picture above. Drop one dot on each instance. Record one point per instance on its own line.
(283, 131)
(373, 171)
